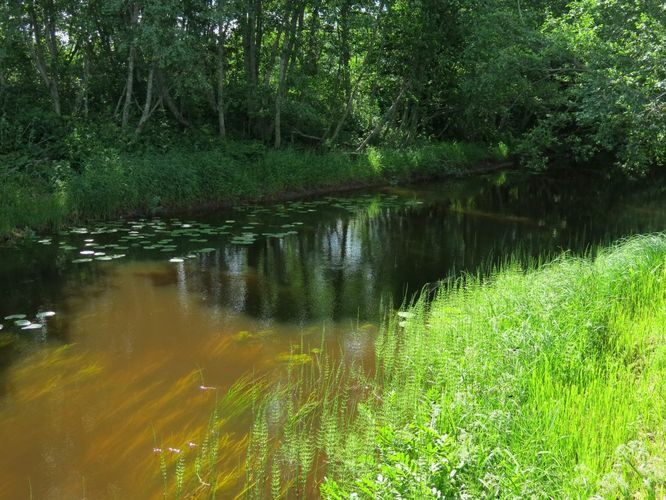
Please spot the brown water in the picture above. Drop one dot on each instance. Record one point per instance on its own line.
(129, 368)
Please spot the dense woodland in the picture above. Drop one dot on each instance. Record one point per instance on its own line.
(550, 79)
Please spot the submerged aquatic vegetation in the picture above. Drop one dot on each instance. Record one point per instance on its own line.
(200, 469)
(293, 358)
(539, 383)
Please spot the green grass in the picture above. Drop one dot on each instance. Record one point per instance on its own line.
(547, 382)
(111, 184)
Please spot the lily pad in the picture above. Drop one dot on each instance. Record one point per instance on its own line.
(176, 260)
(45, 314)
(33, 326)
(22, 322)
(15, 316)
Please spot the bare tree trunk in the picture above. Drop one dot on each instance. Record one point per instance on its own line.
(413, 128)
(250, 55)
(270, 64)
(220, 82)
(278, 100)
(314, 47)
(37, 52)
(287, 49)
(147, 106)
(129, 86)
(385, 119)
(348, 107)
(82, 95)
(86, 82)
(350, 92)
(258, 36)
(345, 50)
(166, 98)
(53, 52)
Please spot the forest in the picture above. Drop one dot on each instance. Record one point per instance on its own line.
(84, 85)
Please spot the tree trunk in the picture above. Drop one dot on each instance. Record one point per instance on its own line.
(314, 51)
(86, 83)
(278, 101)
(385, 119)
(222, 128)
(250, 57)
(350, 101)
(287, 49)
(82, 96)
(37, 51)
(163, 87)
(258, 37)
(147, 106)
(345, 50)
(53, 52)
(129, 86)
(270, 64)
(344, 63)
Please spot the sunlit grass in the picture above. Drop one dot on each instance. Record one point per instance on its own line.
(545, 382)
(111, 185)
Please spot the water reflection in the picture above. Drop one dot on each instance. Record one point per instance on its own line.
(120, 368)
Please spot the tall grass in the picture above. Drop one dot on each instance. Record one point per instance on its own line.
(545, 382)
(111, 184)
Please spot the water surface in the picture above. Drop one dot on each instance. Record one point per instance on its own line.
(157, 317)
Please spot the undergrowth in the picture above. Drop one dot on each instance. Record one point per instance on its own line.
(107, 183)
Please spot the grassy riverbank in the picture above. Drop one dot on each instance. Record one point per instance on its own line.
(546, 383)
(114, 184)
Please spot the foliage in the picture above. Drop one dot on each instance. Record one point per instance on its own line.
(538, 383)
(113, 184)
(554, 80)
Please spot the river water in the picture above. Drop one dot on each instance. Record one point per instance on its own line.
(155, 318)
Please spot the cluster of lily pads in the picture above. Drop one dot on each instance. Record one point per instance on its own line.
(178, 240)
(21, 321)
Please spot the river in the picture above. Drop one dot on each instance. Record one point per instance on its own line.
(155, 318)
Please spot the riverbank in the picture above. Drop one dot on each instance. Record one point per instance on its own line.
(542, 383)
(113, 185)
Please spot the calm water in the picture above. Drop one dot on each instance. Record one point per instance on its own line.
(158, 316)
